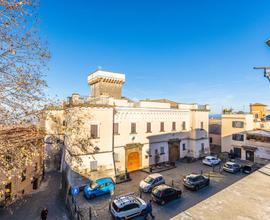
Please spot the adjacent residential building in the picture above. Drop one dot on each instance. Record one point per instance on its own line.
(215, 135)
(259, 111)
(21, 162)
(106, 133)
(244, 136)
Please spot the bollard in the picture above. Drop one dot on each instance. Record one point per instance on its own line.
(90, 213)
(172, 183)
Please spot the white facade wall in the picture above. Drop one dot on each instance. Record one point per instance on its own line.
(227, 129)
(109, 144)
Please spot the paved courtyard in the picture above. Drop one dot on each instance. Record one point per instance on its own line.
(189, 198)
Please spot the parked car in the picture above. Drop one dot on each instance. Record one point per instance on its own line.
(249, 168)
(231, 167)
(196, 181)
(164, 193)
(211, 160)
(127, 206)
(99, 187)
(151, 181)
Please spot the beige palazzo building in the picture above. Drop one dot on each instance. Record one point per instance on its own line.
(107, 133)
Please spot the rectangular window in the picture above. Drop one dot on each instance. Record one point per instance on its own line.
(115, 128)
(202, 146)
(156, 151)
(8, 158)
(237, 124)
(184, 147)
(211, 140)
(238, 137)
(94, 131)
(93, 165)
(162, 150)
(201, 124)
(148, 127)
(183, 125)
(23, 175)
(116, 157)
(174, 126)
(161, 126)
(36, 167)
(133, 128)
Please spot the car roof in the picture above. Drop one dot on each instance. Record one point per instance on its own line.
(163, 187)
(192, 175)
(155, 175)
(210, 157)
(104, 180)
(123, 200)
(230, 163)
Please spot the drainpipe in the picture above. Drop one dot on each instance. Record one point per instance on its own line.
(113, 143)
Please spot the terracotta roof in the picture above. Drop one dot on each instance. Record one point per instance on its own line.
(258, 104)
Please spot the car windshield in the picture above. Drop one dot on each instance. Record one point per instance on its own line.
(156, 192)
(149, 180)
(191, 178)
(228, 165)
(94, 185)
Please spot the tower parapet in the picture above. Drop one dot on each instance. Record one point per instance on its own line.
(105, 83)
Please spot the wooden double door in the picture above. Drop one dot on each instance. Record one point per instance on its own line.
(133, 162)
(174, 150)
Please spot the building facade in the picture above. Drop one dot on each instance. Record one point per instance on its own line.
(106, 133)
(21, 164)
(259, 111)
(243, 134)
(215, 135)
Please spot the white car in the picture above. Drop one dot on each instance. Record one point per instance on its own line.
(151, 181)
(211, 160)
(127, 206)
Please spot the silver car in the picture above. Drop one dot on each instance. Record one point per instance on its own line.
(231, 167)
(151, 181)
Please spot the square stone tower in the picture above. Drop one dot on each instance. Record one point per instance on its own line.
(105, 83)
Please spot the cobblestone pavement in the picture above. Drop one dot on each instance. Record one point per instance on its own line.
(218, 181)
(48, 195)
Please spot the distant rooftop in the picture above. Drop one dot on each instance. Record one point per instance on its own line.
(258, 104)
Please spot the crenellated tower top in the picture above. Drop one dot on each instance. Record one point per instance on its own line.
(105, 83)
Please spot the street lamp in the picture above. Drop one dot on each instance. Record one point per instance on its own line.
(266, 69)
(268, 42)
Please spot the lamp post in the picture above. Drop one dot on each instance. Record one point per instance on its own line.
(265, 68)
(268, 42)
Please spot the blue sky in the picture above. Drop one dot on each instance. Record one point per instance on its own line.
(188, 51)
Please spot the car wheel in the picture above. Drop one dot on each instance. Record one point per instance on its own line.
(196, 188)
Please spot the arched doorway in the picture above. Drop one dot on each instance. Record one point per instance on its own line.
(133, 162)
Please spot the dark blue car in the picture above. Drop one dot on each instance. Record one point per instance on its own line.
(99, 187)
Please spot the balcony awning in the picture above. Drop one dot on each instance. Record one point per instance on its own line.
(252, 148)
